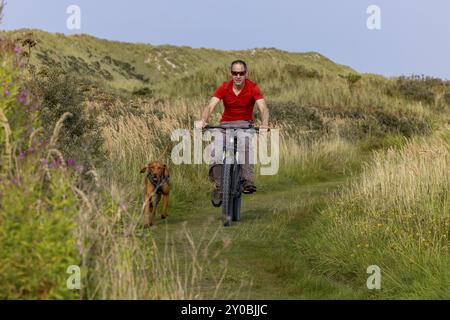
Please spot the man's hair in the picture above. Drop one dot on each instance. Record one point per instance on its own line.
(238, 62)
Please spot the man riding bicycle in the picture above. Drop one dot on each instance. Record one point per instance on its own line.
(239, 96)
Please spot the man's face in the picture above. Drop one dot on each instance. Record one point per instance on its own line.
(238, 73)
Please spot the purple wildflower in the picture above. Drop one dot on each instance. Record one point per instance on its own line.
(21, 155)
(54, 164)
(23, 96)
(6, 92)
(44, 162)
(22, 99)
(70, 162)
(43, 142)
(24, 93)
(17, 50)
(79, 168)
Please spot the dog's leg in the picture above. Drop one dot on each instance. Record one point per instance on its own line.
(152, 210)
(165, 206)
(148, 209)
(158, 199)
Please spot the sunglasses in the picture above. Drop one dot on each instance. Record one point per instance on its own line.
(236, 73)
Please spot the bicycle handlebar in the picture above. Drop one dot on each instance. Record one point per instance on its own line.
(225, 128)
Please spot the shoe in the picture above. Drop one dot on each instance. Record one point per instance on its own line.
(248, 187)
(216, 197)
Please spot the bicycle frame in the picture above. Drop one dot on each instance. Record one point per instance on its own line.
(231, 178)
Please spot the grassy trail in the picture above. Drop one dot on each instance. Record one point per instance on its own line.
(258, 256)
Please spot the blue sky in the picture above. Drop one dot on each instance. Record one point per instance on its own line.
(413, 38)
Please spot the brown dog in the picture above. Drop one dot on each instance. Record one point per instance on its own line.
(156, 181)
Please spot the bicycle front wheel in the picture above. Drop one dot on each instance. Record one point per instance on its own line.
(236, 192)
(227, 198)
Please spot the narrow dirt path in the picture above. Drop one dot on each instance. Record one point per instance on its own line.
(257, 257)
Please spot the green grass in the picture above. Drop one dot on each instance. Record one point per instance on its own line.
(394, 215)
(292, 241)
(262, 258)
(301, 240)
(130, 64)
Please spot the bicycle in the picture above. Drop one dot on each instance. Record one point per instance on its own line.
(231, 186)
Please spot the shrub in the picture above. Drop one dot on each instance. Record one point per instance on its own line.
(383, 123)
(37, 205)
(18, 109)
(299, 71)
(37, 234)
(352, 79)
(419, 88)
(304, 117)
(144, 91)
(406, 124)
(59, 93)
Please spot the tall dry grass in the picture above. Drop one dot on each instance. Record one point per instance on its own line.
(133, 136)
(114, 258)
(396, 215)
(132, 140)
(137, 132)
(182, 264)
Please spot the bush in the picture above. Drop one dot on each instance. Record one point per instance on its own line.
(352, 79)
(144, 91)
(299, 71)
(418, 88)
(383, 123)
(404, 124)
(80, 138)
(18, 110)
(303, 117)
(37, 205)
(37, 235)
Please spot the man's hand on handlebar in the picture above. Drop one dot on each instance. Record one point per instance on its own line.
(200, 124)
(263, 129)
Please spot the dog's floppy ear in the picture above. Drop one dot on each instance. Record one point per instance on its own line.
(166, 171)
(143, 169)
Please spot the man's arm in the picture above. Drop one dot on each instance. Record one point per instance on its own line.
(208, 109)
(262, 106)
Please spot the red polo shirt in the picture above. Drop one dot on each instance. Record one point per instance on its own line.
(238, 107)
